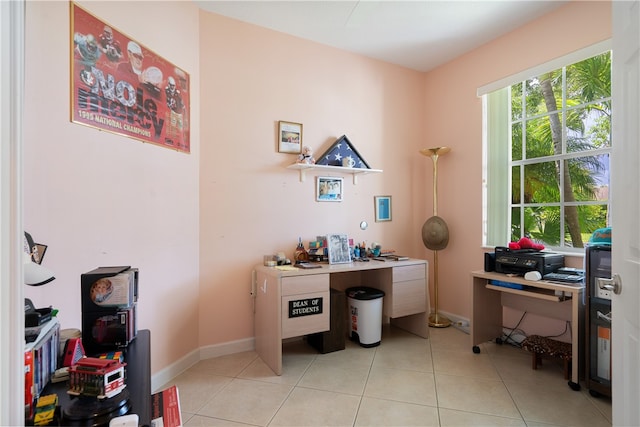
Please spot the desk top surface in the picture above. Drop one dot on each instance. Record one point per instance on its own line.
(546, 284)
(325, 268)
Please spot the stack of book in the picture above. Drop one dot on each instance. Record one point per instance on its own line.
(40, 361)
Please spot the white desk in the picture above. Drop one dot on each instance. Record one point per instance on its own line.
(406, 300)
(537, 297)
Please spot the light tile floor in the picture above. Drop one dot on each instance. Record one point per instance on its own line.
(406, 381)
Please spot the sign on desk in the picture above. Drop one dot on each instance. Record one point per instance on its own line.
(305, 307)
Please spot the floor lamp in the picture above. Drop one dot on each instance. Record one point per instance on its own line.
(435, 235)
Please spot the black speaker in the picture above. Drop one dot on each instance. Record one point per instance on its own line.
(489, 261)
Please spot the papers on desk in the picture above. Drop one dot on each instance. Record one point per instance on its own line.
(391, 258)
(285, 268)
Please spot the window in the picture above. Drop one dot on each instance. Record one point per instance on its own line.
(547, 147)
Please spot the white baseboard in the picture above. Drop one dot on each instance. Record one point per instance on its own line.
(167, 374)
(217, 350)
(458, 322)
(208, 352)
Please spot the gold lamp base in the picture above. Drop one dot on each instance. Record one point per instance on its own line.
(437, 320)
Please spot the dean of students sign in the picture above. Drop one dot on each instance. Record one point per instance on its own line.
(305, 307)
(120, 86)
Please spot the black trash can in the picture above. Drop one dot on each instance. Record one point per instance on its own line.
(334, 338)
(365, 308)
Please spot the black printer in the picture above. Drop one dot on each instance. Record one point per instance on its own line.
(520, 261)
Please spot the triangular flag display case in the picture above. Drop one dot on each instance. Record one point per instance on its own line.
(340, 149)
(331, 160)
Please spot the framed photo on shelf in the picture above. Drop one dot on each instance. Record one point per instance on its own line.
(329, 189)
(382, 208)
(289, 137)
(338, 245)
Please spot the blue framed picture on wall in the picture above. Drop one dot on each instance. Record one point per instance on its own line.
(382, 208)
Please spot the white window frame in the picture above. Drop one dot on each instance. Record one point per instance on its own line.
(496, 141)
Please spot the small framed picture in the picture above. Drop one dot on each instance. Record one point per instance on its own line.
(289, 137)
(329, 189)
(382, 208)
(338, 245)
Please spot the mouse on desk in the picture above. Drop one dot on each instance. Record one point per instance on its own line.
(533, 276)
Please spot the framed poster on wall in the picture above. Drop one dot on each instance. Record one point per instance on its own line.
(118, 85)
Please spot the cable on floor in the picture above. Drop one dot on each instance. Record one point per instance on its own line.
(514, 329)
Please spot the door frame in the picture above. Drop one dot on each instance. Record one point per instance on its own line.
(12, 39)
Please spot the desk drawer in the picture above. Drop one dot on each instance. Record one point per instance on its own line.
(311, 317)
(407, 298)
(409, 272)
(305, 284)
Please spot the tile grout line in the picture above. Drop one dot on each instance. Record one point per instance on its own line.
(435, 383)
(293, 387)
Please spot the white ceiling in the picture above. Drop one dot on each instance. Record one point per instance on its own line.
(418, 34)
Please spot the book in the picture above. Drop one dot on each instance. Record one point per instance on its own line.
(308, 265)
(165, 408)
(43, 358)
(399, 257)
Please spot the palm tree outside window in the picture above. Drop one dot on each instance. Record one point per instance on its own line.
(548, 144)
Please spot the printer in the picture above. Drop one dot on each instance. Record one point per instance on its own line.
(520, 261)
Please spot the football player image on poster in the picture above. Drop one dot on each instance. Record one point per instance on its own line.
(120, 86)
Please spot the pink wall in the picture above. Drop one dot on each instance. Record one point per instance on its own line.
(250, 204)
(196, 224)
(454, 117)
(101, 199)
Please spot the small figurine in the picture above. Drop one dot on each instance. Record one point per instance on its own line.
(306, 156)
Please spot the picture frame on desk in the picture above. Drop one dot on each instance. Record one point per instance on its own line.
(338, 247)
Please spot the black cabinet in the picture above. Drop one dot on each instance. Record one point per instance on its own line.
(598, 321)
(334, 338)
(136, 396)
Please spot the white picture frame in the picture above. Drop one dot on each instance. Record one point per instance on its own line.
(329, 189)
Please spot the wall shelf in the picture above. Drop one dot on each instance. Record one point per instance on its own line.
(303, 168)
